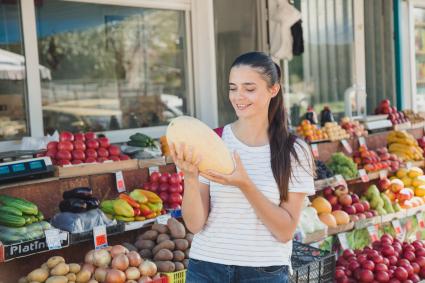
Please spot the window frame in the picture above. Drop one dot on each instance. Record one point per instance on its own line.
(200, 52)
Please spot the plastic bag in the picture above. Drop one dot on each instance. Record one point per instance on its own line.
(80, 222)
(10, 235)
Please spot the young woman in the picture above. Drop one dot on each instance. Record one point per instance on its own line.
(244, 222)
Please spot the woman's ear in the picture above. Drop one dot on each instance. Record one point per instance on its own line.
(275, 89)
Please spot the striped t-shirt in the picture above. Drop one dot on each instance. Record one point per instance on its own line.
(233, 234)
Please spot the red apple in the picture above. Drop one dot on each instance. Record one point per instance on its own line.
(327, 191)
(78, 155)
(333, 200)
(102, 152)
(63, 155)
(345, 200)
(384, 184)
(366, 205)
(65, 145)
(349, 209)
(53, 145)
(359, 207)
(91, 153)
(355, 198)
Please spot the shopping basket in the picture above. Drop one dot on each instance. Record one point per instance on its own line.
(176, 277)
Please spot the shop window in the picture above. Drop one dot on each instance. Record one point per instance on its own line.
(111, 67)
(321, 75)
(13, 114)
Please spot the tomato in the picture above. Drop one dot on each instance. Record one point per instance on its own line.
(65, 145)
(79, 145)
(52, 145)
(92, 144)
(63, 155)
(103, 142)
(78, 155)
(66, 136)
(114, 150)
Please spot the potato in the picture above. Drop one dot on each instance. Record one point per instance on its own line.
(54, 260)
(176, 228)
(161, 228)
(144, 244)
(58, 279)
(189, 238)
(93, 281)
(168, 244)
(44, 266)
(74, 268)
(163, 255)
(186, 262)
(165, 266)
(181, 244)
(150, 235)
(178, 256)
(146, 253)
(162, 237)
(39, 275)
(83, 276)
(60, 269)
(179, 266)
(23, 280)
(186, 253)
(130, 247)
(71, 276)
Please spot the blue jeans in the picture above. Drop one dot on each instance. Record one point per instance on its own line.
(207, 272)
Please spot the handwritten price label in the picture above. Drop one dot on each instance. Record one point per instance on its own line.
(100, 238)
(373, 233)
(342, 237)
(363, 175)
(362, 141)
(119, 179)
(383, 174)
(347, 146)
(315, 150)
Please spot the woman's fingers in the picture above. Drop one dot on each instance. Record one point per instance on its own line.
(180, 152)
(189, 155)
(172, 148)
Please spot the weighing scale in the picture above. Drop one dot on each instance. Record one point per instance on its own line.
(19, 170)
(376, 122)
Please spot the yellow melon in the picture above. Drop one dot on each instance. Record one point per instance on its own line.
(321, 205)
(204, 141)
(341, 217)
(328, 219)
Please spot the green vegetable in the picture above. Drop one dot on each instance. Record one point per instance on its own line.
(10, 210)
(12, 220)
(18, 203)
(343, 165)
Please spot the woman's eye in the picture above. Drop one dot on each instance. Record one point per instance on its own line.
(232, 89)
(251, 90)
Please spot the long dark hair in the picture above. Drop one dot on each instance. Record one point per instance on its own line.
(282, 142)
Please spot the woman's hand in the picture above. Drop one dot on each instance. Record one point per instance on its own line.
(238, 178)
(184, 160)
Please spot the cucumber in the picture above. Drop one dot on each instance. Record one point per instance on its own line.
(12, 220)
(21, 204)
(10, 210)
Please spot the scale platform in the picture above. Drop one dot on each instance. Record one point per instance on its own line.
(22, 170)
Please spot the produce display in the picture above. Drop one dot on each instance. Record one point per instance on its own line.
(353, 128)
(395, 116)
(310, 132)
(406, 188)
(380, 202)
(167, 245)
(335, 132)
(322, 171)
(204, 141)
(413, 117)
(139, 205)
(169, 187)
(386, 260)
(373, 161)
(141, 140)
(343, 165)
(82, 148)
(404, 145)
(309, 220)
(78, 200)
(17, 212)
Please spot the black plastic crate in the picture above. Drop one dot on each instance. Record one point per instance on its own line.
(88, 236)
(311, 265)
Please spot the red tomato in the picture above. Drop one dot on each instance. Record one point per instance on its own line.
(79, 145)
(103, 142)
(65, 145)
(52, 145)
(66, 136)
(78, 155)
(63, 155)
(90, 136)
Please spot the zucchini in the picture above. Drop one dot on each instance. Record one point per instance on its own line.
(21, 204)
(40, 216)
(10, 210)
(12, 220)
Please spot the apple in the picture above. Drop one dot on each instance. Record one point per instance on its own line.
(366, 275)
(384, 184)
(63, 155)
(337, 206)
(409, 255)
(328, 191)
(175, 188)
(387, 250)
(421, 261)
(355, 198)
(359, 207)
(164, 196)
(175, 198)
(102, 152)
(66, 136)
(94, 144)
(349, 209)
(345, 200)
(368, 214)
(164, 178)
(65, 145)
(175, 178)
(53, 145)
(333, 200)
(79, 137)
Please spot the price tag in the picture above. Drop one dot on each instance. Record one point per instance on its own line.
(383, 174)
(53, 239)
(363, 175)
(163, 219)
(153, 169)
(100, 238)
(398, 229)
(421, 221)
(362, 141)
(340, 180)
(347, 146)
(119, 179)
(342, 237)
(373, 233)
(315, 150)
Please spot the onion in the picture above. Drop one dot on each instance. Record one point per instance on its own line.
(145, 279)
(102, 258)
(148, 268)
(115, 276)
(120, 262)
(100, 274)
(89, 257)
(134, 258)
(89, 267)
(117, 250)
(132, 273)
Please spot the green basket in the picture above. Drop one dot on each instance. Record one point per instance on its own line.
(176, 277)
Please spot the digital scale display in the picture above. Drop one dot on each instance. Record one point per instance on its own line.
(26, 168)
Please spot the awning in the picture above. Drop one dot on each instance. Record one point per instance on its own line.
(12, 67)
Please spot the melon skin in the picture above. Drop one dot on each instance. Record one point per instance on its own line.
(204, 141)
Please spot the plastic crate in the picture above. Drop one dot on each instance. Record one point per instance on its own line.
(176, 277)
(163, 279)
(311, 265)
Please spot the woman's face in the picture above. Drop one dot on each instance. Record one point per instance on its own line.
(248, 92)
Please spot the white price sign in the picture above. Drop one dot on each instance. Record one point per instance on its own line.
(315, 150)
(119, 179)
(100, 237)
(362, 141)
(153, 169)
(163, 219)
(398, 229)
(383, 174)
(363, 175)
(373, 233)
(342, 237)
(53, 239)
(347, 146)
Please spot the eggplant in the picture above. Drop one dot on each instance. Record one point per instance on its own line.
(92, 203)
(74, 205)
(81, 193)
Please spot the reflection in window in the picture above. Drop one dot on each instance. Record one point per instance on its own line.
(13, 116)
(113, 68)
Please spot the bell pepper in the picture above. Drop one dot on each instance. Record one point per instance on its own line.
(155, 206)
(138, 196)
(121, 207)
(137, 211)
(107, 206)
(130, 200)
(151, 196)
(152, 215)
(145, 210)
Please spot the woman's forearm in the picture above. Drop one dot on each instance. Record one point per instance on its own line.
(278, 220)
(194, 211)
